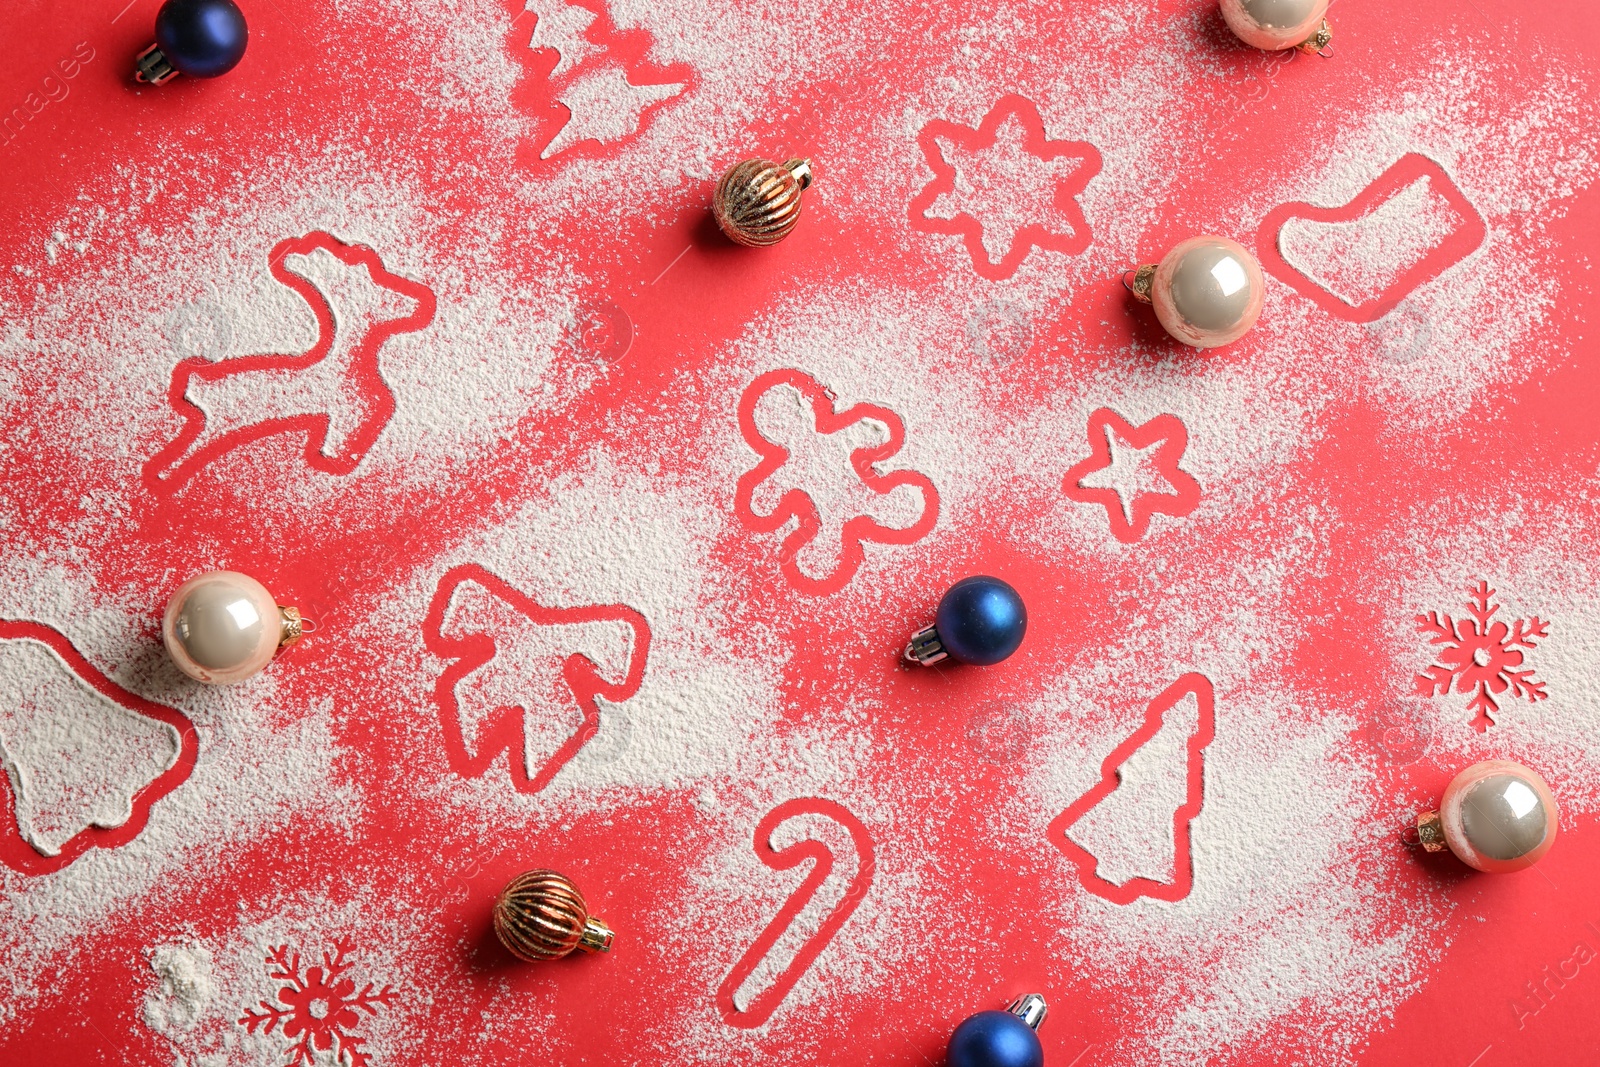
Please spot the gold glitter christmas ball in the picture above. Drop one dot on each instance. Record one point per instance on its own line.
(757, 202)
(542, 916)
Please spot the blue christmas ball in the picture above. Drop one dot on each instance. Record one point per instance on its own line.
(201, 38)
(994, 1039)
(981, 620)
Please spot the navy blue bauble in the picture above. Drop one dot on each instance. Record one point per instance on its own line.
(981, 620)
(201, 38)
(994, 1039)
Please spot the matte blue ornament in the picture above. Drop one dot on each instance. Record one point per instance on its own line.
(200, 38)
(980, 620)
(1000, 1038)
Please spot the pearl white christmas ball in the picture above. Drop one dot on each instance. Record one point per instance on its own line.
(223, 627)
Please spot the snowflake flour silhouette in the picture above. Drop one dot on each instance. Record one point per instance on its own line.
(1480, 656)
(1005, 188)
(320, 1009)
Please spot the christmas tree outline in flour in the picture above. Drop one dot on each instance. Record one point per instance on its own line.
(576, 63)
(504, 728)
(16, 851)
(337, 434)
(1192, 684)
(884, 436)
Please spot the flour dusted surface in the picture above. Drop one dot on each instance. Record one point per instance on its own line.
(565, 443)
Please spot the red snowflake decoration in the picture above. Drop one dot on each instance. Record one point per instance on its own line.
(320, 1009)
(1481, 656)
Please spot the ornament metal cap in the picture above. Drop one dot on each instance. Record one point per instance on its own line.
(1030, 1008)
(596, 936)
(152, 67)
(1317, 44)
(925, 647)
(1430, 832)
(293, 625)
(1140, 282)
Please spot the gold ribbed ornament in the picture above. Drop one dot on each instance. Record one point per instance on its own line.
(757, 202)
(542, 916)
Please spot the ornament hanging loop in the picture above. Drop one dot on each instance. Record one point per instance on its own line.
(1140, 282)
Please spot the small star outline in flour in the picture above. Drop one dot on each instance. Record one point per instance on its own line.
(964, 200)
(1133, 472)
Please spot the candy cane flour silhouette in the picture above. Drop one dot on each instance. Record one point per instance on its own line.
(789, 944)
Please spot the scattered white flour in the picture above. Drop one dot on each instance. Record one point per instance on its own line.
(820, 465)
(1520, 164)
(75, 757)
(205, 984)
(186, 987)
(1360, 259)
(1322, 933)
(603, 534)
(1130, 832)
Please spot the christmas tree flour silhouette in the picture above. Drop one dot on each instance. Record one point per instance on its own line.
(1129, 835)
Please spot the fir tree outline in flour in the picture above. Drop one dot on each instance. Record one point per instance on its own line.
(1480, 656)
(318, 1008)
(576, 62)
(504, 728)
(16, 851)
(1194, 685)
(1071, 165)
(760, 1008)
(882, 434)
(1461, 242)
(1131, 511)
(340, 418)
